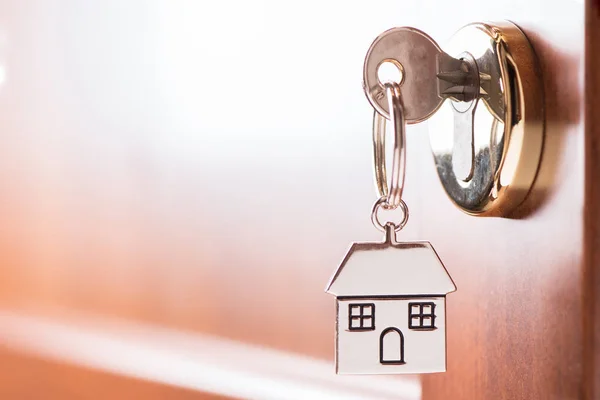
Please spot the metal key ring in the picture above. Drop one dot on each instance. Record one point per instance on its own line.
(375, 215)
(393, 193)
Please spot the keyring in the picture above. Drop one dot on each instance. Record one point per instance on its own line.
(375, 217)
(393, 193)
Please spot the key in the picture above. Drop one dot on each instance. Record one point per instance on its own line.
(427, 74)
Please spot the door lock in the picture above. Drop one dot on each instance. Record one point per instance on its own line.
(483, 95)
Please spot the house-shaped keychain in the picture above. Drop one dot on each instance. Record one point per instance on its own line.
(391, 309)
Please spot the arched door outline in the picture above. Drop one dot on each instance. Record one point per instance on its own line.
(386, 332)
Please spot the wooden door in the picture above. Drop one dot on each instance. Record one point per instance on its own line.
(181, 178)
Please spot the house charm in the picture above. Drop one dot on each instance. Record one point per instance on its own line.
(391, 309)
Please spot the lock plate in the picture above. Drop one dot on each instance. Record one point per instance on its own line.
(487, 152)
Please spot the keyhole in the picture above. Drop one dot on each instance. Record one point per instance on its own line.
(390, 71)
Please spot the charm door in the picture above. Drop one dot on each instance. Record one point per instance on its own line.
(391, 346)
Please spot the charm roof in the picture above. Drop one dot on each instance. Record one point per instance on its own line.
(391, 269)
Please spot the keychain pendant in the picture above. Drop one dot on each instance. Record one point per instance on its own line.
(390, 296)
(391, 308)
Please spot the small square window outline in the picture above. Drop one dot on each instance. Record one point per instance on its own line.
(361, 316)
(421, 316)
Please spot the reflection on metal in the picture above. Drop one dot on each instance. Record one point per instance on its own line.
(488, 163)
(421, 61)
(417, 53)
(385, 283)
(393, 194)
(484, 97)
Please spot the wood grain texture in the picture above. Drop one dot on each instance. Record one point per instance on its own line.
(515, 323)
(591, 278)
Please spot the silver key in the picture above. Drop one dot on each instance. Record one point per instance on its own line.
(428, 75)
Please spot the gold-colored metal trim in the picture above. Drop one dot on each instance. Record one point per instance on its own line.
(507, 126)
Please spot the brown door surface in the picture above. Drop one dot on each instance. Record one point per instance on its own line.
(179, 180)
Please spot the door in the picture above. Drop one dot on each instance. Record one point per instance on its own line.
(391, 346)
(180, 178)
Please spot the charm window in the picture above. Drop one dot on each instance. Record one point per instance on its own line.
(421, 315)
(361, 317)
